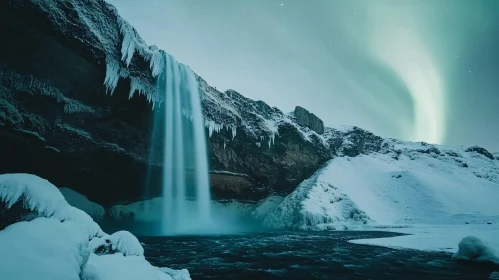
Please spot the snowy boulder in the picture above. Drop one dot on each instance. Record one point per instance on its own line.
(474, 249)
(119, 242)
(81, 202)
(43, 199)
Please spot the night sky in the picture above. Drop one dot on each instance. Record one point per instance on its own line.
(423, 70)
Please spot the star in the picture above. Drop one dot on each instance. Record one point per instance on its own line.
(282, 4)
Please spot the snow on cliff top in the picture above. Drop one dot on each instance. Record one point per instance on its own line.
(108, 39)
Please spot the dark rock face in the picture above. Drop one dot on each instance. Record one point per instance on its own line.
(58, 121)
(480, 150)
(308, 119)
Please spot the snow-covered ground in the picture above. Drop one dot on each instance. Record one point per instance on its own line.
(438, 238)
(62, 242)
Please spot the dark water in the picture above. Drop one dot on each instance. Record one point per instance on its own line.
(325, 255)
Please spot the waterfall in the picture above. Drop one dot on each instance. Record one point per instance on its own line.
(186, 190)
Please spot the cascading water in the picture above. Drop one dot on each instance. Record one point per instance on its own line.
(186, 193)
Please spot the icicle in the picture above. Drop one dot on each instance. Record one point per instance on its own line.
(210, 130)
(156, 63)
(128, 44)
(112, 76)
(212, 127)
(233, 132)
(224, 145)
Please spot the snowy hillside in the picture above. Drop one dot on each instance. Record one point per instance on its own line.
(408, 183)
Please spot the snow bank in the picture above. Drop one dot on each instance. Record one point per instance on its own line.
(119, 242)
(316, 205)
(43, 249)
(182, 274)
(473, 248)
(81, 202)
(60, 245)
(40, 196)
(126, 243)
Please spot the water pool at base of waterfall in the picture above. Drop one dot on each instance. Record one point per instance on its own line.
(303, 255)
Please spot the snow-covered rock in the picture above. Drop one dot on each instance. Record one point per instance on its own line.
(181, 274)
(119, 242)
(81, 202)
(63, 243)
(474, 249)
(43, 199)
(44, 249)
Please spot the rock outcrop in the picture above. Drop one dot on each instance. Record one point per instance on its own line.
(308, 119)
(481, 151)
